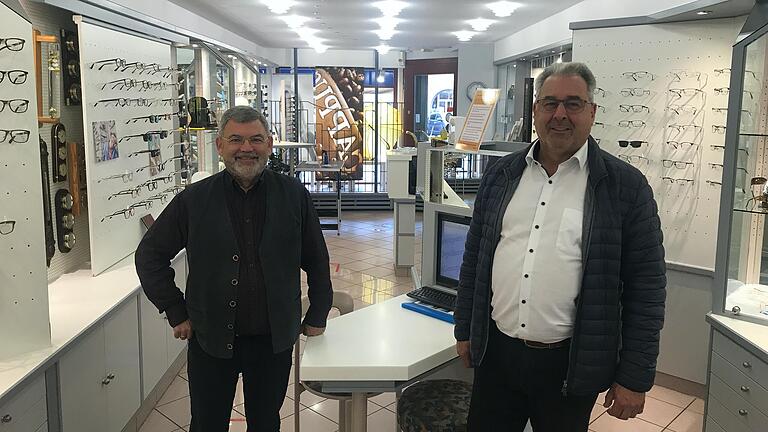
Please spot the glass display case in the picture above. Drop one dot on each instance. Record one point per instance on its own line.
(741, 275)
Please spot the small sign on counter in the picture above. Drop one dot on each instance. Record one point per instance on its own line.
(476, 122)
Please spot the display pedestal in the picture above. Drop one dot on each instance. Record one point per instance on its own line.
(398, 164)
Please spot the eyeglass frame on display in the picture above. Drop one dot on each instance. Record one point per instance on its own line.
(123, 102)
(628, 158)
(670, 163)
(680, 92)
(633, 91)
(5, 45)
(638, 74)
(680, 181)
(631, 123)
(678, 76)
(127, 213)
(10, 132)
(134, 192)
(599, 91)
(633, 108)
(23, 76)
(147, 136)
(678, 127)
(119, 62)
(681, 144)
(677, 108)
(126, 177)
(632, 143)
(152, 153)
(721, 110)
(10, 222)
(720, 129)
(7, 102)
(722, 147)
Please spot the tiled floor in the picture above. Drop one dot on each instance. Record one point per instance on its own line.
(361, 264)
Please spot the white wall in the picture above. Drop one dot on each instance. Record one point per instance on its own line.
(349, 58)
(555, 29)
(475, 64)
(438, 53)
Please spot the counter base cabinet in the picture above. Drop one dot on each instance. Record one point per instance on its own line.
(27, 411)
(738, 388)
(99, 376)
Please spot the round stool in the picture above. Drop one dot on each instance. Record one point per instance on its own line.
(434, 406)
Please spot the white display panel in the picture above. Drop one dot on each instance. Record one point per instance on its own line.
(24, 322)
(688, 210)
(114, 238)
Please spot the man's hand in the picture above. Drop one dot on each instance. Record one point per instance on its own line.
(462, 348)
(183, 331)
(308, 330)
(624, 403)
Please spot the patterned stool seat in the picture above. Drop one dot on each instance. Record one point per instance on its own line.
(434, 406)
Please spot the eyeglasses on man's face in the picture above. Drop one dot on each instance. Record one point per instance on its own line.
(572, 105)
(238, 140)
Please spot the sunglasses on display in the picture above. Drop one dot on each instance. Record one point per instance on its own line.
(720, 129)
(684, 127)
(682, 144)
(132, 192)
(636, 91)
(681, 75)
(122, 102)
(680, 181)
(631, 123)
(634, 158)
(7, 226)
(639, 75)
(14, 136)
(634, 108)
(15, 76)
(680, 92)
(146, 136)
(677, 109)
(12, 44)
(572, 105)
(17, 106)
(116, 62)
(632, 143)
(669, 163)
(127, 213)
(126, 177)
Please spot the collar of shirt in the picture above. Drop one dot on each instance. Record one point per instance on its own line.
(236, 185)
(580, 155)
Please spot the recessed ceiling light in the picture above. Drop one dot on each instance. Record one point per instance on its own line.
(294, 21)
(480, 24)
(464, 35)
(388, 23)
(383, 48)
(385, 34)
(703, 12)
(390, 7)
(503, 8)
(279, 7)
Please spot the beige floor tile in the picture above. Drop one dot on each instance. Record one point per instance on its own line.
(285, 410)
(384, 399)
(379, 272)
(688, 421)
(670, 396)
(239, 395)
(178, 389)
(378, 284)
(358, 265)
(607, 423)
(355, 290)
(697, 406)
(310, 422)
(343, 260)
(237, 422)
(597, 411)
(659, 412)
(177, 411)
(380, 261)
(359, 304)
(375, 297)
(329, 409)
(157, 422)
(382, 421)
(184, 375)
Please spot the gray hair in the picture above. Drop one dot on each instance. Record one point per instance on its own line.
(242, 114)
(571, 68)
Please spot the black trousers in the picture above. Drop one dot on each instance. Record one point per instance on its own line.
(212, 384)
(516, 383)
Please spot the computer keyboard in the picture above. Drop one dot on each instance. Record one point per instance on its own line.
(434, 297)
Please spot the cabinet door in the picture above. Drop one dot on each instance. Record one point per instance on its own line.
(121, 335)
(154, 349)
(27, 410)
(83, 394)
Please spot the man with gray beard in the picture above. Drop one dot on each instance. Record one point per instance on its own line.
(248, 232)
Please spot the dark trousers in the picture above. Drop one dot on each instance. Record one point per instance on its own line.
(516, 383)
(212, 384)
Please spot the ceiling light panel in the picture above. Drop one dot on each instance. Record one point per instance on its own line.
(464, 35)
(279, 6)
(383, 48)
(388, 23)
(503, 8)
(294, 21)
(480, 24)
(385, 34)
(390, 8)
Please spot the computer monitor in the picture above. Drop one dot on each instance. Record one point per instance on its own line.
(452, 232)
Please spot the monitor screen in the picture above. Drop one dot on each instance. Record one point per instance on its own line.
(451, 235)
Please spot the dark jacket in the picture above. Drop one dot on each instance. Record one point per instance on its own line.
(198, 220)
(620, 306)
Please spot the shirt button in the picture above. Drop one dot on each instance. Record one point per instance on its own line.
(230, 326)
(232, 303)
(550, 182)
(530, 250)
(522, 325)
(235, 258)
(234, 282)
(523, 301)
(247, 220)
(229, 346)
(542, 203)
(537, 227)
(525, 276)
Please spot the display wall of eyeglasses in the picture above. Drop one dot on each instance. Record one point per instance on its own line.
(130, 99)
(663, 101)
(23, 277)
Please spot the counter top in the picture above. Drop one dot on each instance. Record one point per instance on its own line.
(753, 337)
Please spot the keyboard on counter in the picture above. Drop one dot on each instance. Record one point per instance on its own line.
(434, 297)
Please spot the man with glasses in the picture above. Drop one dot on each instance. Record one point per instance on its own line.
(248, 233)
(562, 287)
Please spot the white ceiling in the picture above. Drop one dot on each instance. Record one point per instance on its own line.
(347, 24)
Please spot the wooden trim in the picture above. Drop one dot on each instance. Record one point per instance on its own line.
(40, 39)
(425, 67)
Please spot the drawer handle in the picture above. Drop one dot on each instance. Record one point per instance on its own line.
(746, 364)
(6, 419)
(745, 389)
(743, 412)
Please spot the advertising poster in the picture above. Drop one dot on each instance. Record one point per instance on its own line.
(339, 118)
(105, 140)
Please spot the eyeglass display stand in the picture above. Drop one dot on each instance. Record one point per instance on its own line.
(24, 316)
(115, 238)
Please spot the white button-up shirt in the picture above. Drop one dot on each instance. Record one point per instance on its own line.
(537, 266)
